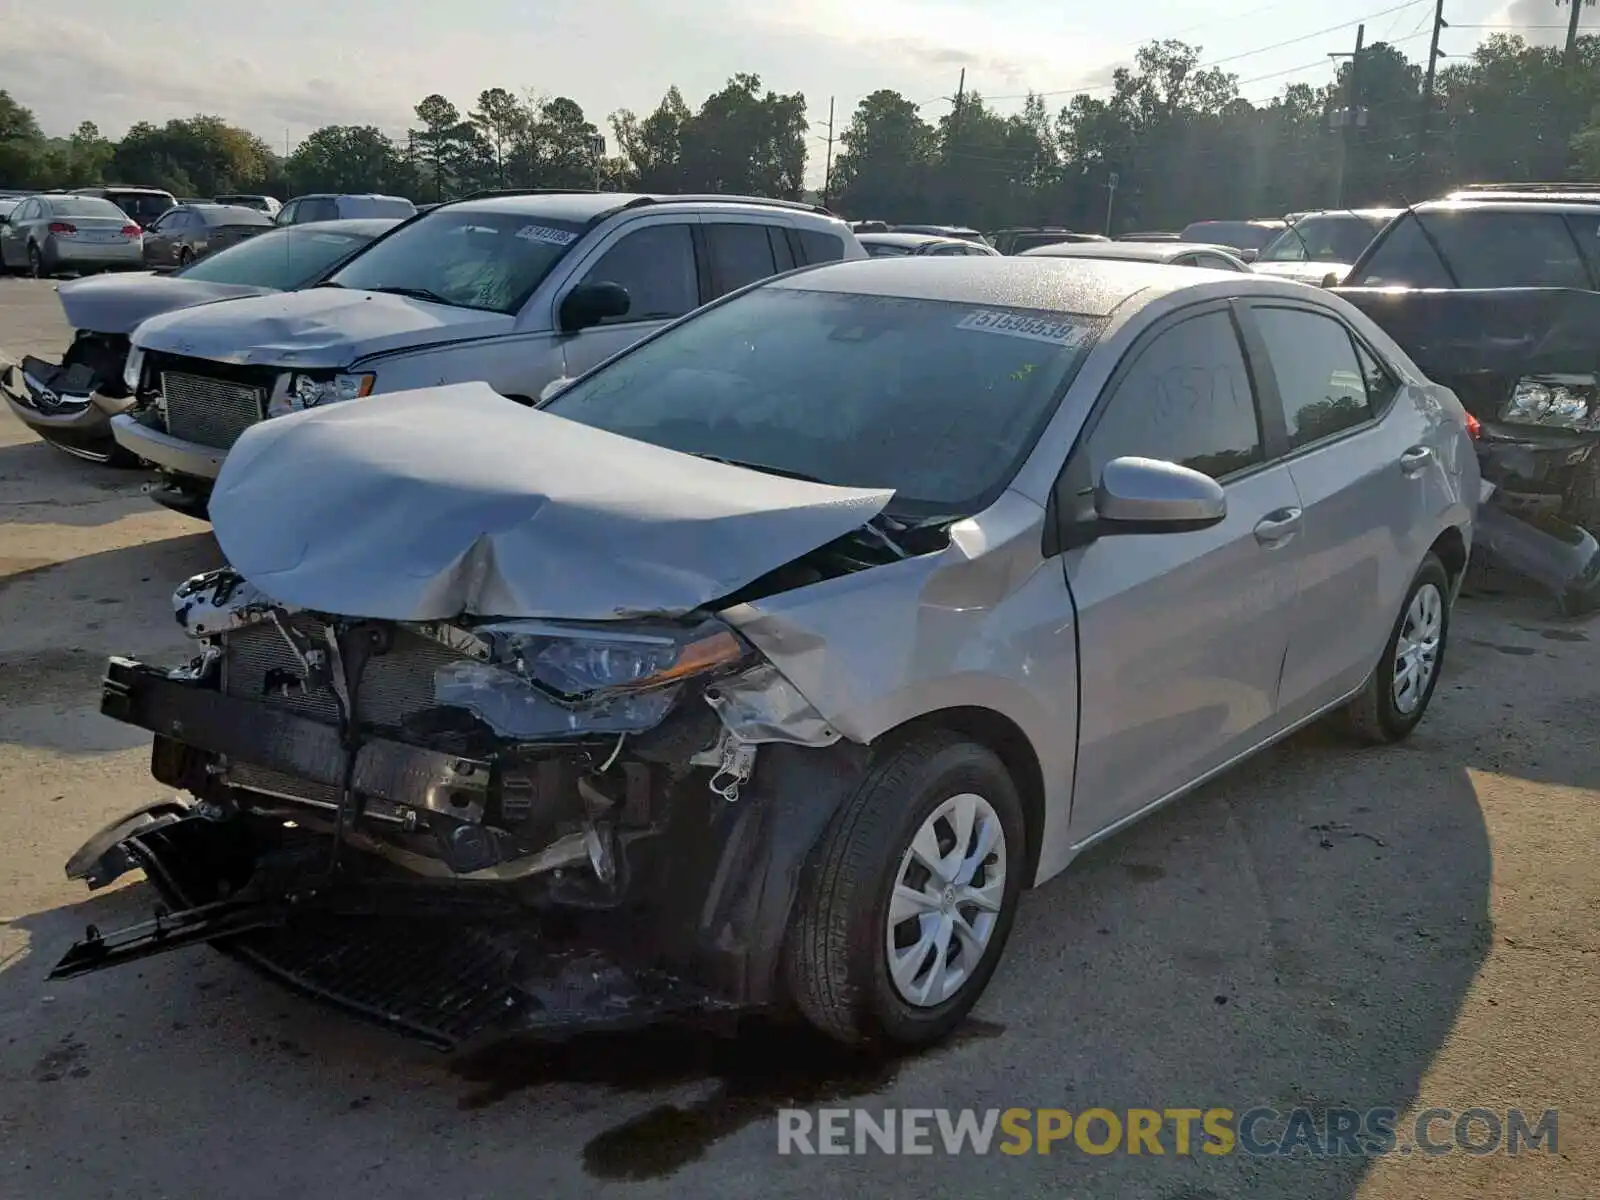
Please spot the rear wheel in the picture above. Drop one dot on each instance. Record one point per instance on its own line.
(1402, 684)
(906, 904)
(35, 262)
(185, 256)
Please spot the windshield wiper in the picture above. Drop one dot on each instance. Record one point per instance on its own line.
(762, 467)
(414, 294)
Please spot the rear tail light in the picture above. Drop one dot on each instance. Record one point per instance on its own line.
(1474, 427)
(62, 227)
(131, 231)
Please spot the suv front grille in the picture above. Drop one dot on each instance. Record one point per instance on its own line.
(210, 412)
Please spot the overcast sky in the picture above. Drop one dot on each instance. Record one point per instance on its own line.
(283, 68)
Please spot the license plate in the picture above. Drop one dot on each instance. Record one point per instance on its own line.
(99, 237)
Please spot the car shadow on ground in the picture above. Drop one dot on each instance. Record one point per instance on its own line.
(60, 620)
(40, 485)
(1302, 933)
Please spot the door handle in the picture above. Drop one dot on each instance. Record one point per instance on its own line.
(1415, 459)
(1278, 526)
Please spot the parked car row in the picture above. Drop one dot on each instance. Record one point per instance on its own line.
(640, 604)
(129, 228)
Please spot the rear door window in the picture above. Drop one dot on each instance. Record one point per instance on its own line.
(740, 254)
(1322, 384)
(1484, 249)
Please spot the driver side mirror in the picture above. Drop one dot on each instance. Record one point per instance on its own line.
(1331, 279)
(1145, 495)
(590, 303)
(1249, 255)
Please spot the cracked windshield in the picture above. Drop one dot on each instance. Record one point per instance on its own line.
(912, 600)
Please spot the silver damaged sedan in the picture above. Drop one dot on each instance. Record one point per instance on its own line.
(767, 663)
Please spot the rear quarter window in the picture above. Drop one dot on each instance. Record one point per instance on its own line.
(818, 247)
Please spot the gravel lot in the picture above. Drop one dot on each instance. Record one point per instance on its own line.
(1328, 927)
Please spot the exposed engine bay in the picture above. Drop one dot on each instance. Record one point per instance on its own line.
(613, 813)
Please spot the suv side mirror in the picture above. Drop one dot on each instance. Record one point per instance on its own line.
(1249, 255)
(1145, 495)
(590, 303)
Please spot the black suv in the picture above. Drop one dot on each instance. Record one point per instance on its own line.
(1495, 292)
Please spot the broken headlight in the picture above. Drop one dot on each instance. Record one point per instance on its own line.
(544, 679)
(1557, 401)
(132, 369)
(308, 391)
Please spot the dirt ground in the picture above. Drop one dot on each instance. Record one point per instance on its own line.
(1328, 927)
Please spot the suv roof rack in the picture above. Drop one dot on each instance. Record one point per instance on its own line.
(1531, 188)
(489, 193)
(765, 201)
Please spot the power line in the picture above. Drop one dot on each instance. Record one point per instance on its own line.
(1216, 62)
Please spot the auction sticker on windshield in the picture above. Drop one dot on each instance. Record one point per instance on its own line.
(543, 233)
(1058, 333)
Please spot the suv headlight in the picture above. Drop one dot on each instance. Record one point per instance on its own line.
(309, 391)
(132, 369)
(1556, 401)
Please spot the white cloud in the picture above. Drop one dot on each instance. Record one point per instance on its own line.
(1543, 22)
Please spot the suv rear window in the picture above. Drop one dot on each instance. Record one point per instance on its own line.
(143, 207)
(1485, 249)
(820, 247)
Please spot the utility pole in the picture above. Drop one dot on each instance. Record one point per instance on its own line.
(1423, 131)
(827, 162)
(1572, 30)
(1351, 116)
(955, 117)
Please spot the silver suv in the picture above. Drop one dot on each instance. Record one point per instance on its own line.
(515, 290)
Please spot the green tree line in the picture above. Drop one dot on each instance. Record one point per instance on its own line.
(1173, 136)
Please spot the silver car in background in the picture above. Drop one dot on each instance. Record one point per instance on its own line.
(784, 649)
(48, 234)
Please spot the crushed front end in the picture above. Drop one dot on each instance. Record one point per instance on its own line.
(456, 828)
(70, 404)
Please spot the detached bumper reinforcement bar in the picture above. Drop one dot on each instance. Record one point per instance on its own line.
(268, 736)
(163, 932)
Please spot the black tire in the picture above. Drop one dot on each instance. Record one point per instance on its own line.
(835, 955)
(189, 504)
(1374, 716)
(36, 263)
(185, 257)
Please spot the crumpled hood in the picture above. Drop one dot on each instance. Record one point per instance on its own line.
(116, 303)
(1302, 272)
(318, 327)
(451, 501)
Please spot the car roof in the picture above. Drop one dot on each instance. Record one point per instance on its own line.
(1158, 252)
(1263, 222)
(371, 226)
(954, 231)
(582, 207)
(1084, 287)
(1366, 214)
(907, 239)
(1483, 203)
